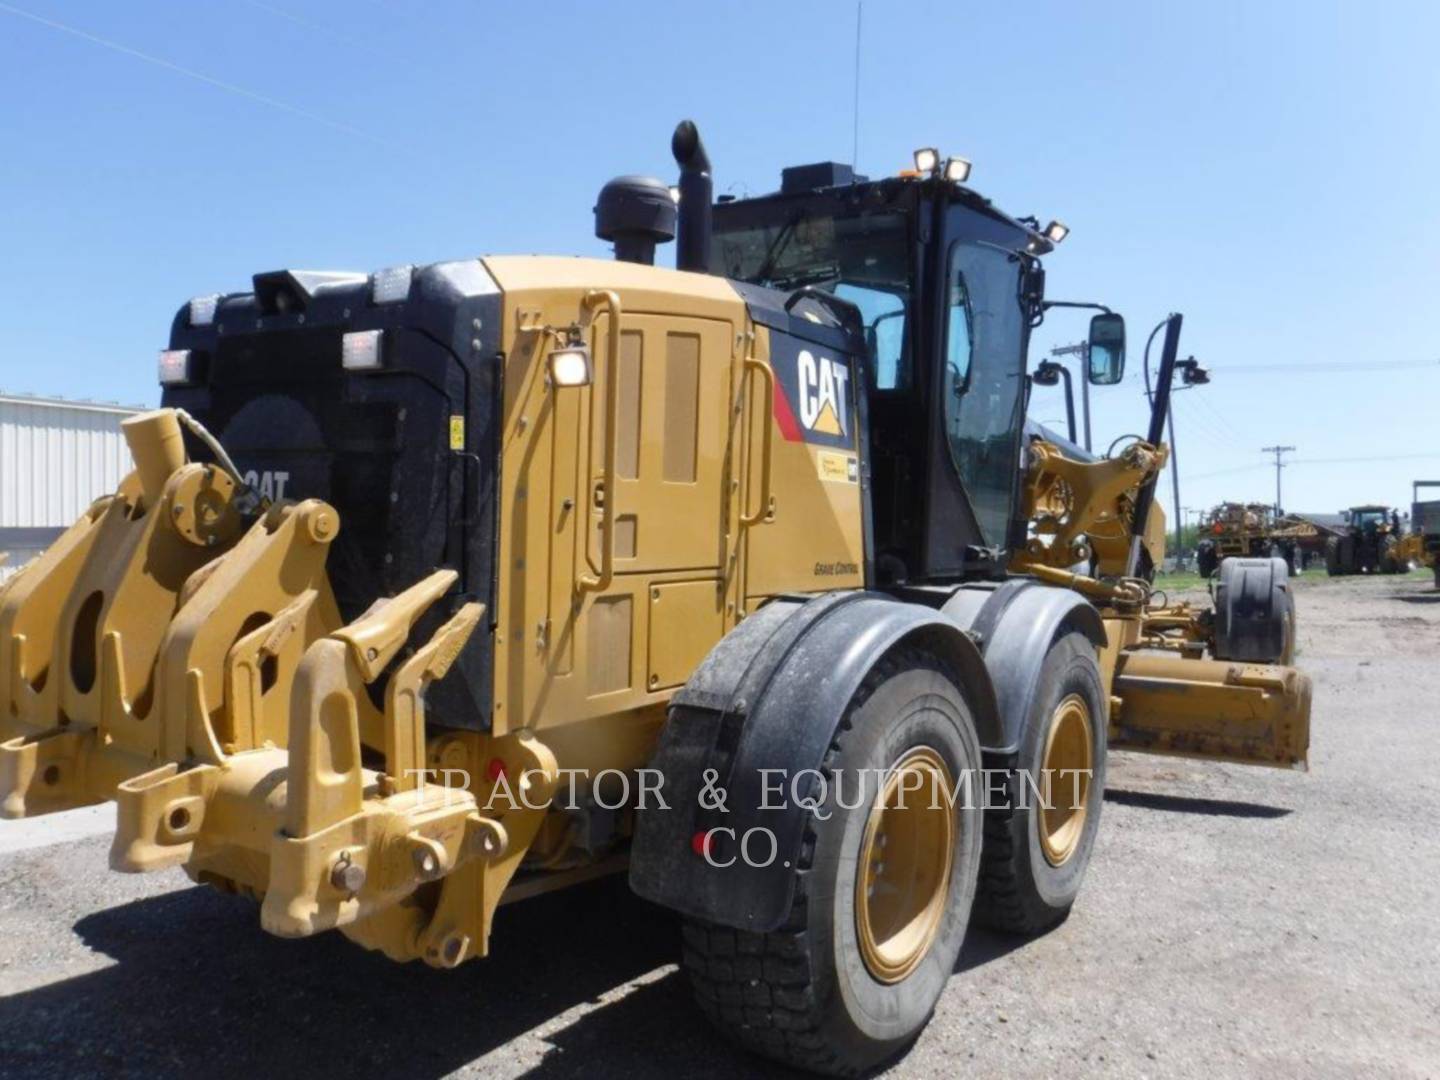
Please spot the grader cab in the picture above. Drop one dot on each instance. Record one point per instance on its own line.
(442, 586)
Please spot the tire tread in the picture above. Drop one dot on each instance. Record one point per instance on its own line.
(775, 1009)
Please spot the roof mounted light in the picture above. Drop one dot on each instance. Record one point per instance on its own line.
(1056, 231)
(174, 367)
(362, 350)
(957, 169)
(927, 160)
(202, 309)
(392, 285)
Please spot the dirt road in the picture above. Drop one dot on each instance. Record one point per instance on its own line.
(1235, 921)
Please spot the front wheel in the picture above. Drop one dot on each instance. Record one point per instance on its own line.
(1206, 561)
(883, 891)
(1038, 840)
(1390, 560)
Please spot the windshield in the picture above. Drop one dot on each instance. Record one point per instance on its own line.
(861, 257)
(1371, 517)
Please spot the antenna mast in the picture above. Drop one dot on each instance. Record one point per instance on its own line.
(855, 113)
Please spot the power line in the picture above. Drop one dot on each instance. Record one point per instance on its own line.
(1202, 424)
(314, 27)
(1323, 366)
(1357, 460)
(191, 73)
(1224, 421)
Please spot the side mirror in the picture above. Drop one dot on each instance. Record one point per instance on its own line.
(1106, 351)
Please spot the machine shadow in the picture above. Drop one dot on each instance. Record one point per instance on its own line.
(1184, 804)
(1414, 598)
(198, 987)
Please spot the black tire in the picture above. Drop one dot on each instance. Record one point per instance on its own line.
(1021, 892)
(802, 994)
(1389, 557)
(1333, 565)
(1205, 560)
(1437, 571)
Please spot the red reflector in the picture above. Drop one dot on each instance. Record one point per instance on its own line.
(496, 769)
(702, 843)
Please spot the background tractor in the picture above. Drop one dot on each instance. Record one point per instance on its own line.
(445, 586)
(1370, 542)
(1246, 530)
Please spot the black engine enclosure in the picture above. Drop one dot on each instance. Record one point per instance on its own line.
(408, 454)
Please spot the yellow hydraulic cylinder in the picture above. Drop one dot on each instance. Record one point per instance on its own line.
(157, 447)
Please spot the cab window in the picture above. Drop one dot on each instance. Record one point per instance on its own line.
(884, 315)
(983, 379)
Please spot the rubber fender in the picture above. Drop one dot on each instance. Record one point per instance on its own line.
(1254, 611)
(1014, 628)
(763, 708)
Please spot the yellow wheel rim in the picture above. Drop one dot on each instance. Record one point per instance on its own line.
(1068, 766)
(902, 881)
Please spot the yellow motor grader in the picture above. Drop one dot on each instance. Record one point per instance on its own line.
(439, 587)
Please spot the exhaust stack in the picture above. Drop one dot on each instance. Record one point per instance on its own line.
(692, 248)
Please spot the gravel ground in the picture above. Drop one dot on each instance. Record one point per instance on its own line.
(1234, 921)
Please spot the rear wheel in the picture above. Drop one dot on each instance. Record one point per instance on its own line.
(882, 892)
(1390, 559)
(1038, 842)
(1333, 566)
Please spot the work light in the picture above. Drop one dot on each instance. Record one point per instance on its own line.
(957, 169)
(174, 367)
(1056, 231)
(927, 160)
(202, 309)
(361, 350)
(570, 366)
(391, 285)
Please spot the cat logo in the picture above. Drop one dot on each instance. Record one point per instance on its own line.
(268, 484)
(823, 394)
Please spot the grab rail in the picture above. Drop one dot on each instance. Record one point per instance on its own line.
(600, 581)
(767, 420)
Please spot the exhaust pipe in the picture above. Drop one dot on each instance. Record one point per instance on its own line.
(692, 247)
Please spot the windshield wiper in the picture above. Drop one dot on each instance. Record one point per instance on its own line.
(778, 245)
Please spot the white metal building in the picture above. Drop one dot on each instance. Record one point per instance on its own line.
(56, 457)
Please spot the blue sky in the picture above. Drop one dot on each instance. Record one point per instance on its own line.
(1266, 168)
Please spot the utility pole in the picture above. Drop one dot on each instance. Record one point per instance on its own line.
(1279, 464)
(1082, 350)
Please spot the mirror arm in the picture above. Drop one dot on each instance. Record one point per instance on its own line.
(1048, 304)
